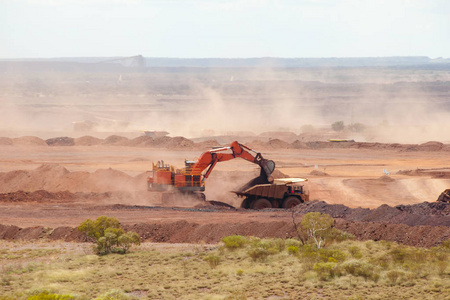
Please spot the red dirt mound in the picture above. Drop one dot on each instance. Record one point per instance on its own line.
(207, 145)
(436, 214)
(4, 141)
(37, 196)
(29, 141)
(186, 232)
(54, 178)
(141, 141)
(116, 140)
(318, 173)
(87, 141)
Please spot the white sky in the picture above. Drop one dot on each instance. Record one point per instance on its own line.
(224, 28)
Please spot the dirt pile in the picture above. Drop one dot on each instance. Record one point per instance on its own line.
(87, 141)
(37, 196)
(175, 143)
(433, 173)
(318, 173)
(54, 178)
(29, 141)
(433, 214)
(4, 141)
(116, 140)
(61, 141)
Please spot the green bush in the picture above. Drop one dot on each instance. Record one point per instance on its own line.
(355, 251)
(279, 244)
(46, 295)
(293, 250)
(292, 242)
(359, 268)
(338, 126)
(234, 241)
(212, 259)
(394, 276)
(258, 254)
(327, 270)
(331, 254)
(109, 235)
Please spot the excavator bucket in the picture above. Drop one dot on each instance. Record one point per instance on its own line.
(268, 166)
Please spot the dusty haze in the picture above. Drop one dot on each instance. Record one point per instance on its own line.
(406, 105)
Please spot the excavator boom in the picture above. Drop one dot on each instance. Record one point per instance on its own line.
(211, 157)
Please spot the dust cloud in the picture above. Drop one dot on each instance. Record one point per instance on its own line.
(392, 105)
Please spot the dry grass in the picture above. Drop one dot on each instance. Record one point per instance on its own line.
(347, 270)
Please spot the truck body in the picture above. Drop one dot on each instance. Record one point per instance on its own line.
(282, 193)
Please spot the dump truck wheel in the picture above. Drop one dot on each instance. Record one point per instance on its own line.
(290, 202)
(245, 203)
(261, 203)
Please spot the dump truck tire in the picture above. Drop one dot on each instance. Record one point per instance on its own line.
(291, 202)
(246, 203)
(261, 203)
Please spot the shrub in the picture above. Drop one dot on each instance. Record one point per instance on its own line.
(394, 276)
(359, 268)
(109, 235)
(234, 241)
(212, 259)
(355, 251)
(293, 250)
(46, 295)
(337, 235)
(292, 242)
(258, 254)
(357, 127)
(327, 270)
(279, 244)
(331, 254)
(338, 126)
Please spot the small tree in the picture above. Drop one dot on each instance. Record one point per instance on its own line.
(301, 232)
(338, 126)
(109, 235)
(317, 226)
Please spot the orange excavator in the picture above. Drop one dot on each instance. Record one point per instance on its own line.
(191, 179)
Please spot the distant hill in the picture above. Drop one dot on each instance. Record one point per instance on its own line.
(139, 62)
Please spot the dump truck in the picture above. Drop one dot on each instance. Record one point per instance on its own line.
(282, 193)
(444, 196)
(261, 192)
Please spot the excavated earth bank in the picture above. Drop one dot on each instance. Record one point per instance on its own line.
(424, 224)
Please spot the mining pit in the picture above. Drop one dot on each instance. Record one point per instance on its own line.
(48, 187)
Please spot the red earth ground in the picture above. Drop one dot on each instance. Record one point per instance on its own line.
(49, 187)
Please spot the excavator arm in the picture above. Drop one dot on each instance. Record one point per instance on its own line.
(210, 158)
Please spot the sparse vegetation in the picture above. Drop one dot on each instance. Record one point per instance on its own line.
(234, 241)
(347, 269)
(109, 235)
(338, 126)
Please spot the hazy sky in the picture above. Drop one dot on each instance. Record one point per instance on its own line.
(224, 28)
